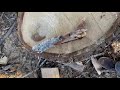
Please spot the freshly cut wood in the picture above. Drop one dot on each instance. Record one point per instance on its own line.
(50, 73)
(96, 65)
(36, 27)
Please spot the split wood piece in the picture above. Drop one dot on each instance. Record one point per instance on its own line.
(96, 65)
(50, 73)
(62, 23)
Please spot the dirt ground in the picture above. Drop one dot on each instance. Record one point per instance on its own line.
(21, 62)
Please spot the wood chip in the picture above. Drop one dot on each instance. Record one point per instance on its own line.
(50, 73)
(3, 60)
(96, 65)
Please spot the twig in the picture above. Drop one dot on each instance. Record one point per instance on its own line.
(7, 18)
(7, 34)
(29, 73)
(42, 63)
(38, 63)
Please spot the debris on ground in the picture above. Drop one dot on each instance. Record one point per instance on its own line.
(76, 66)
(18, 74)
(23, 64)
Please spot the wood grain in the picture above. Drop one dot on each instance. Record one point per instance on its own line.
(51, 24)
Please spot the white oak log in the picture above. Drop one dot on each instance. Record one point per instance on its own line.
(51, 24)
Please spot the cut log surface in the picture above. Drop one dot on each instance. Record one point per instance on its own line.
(50, 73)
(52, 24)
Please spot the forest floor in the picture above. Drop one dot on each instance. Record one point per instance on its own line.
(22, 64)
